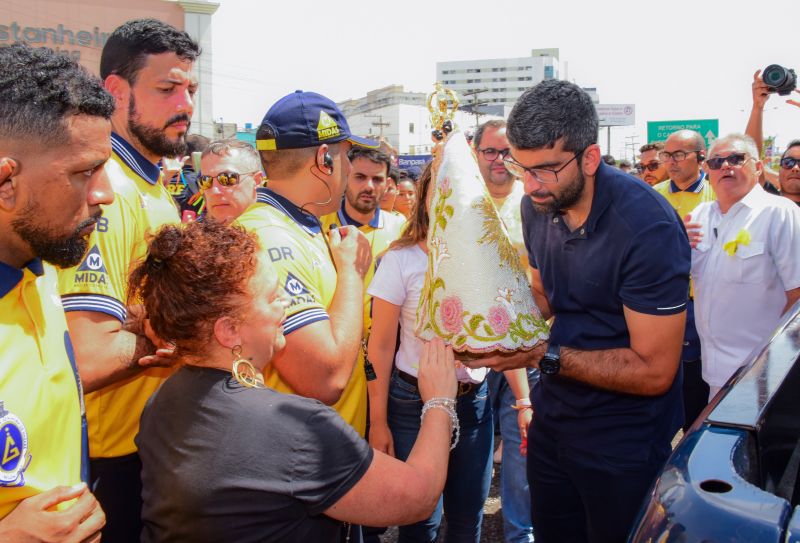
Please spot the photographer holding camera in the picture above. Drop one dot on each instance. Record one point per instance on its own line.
(782, 81)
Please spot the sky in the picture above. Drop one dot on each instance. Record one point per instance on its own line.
(674, 60)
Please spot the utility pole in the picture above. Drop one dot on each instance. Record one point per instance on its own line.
(380, 124)
(475, 103)
(632, 144)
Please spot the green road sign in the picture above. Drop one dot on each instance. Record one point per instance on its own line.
(659, 130)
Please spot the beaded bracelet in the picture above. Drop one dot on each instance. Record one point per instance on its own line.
(449, 405)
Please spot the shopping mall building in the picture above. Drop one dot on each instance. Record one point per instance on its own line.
(81, 27)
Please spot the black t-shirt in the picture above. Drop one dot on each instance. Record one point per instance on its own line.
(221, 462)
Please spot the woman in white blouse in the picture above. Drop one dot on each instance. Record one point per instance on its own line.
(395, 404)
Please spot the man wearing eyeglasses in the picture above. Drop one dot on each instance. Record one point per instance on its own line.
(789, 173)
(229, 175)
(510, 397)
(745, 264)
(682, 156)
(653, 170)
(610, 263)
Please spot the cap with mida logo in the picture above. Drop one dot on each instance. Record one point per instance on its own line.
(306, 119)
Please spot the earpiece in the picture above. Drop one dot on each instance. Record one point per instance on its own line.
(701, 156)
(327, 161)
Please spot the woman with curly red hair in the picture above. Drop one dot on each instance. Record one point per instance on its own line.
(227, 459)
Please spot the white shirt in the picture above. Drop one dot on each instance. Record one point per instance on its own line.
(399, 280)
(739, 298)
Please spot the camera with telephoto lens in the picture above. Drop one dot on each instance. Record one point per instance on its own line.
(779, 79)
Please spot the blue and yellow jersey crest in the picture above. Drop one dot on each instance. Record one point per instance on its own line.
(41, 430)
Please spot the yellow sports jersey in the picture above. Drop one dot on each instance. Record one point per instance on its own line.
(40, 398)
(382, 230)
(684, 201)
(99, 283)
(295, 245)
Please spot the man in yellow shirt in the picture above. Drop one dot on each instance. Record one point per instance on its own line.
(146, 66)
(653, 170)
(304, 140)
(683, 155)
(366, 184)
(54, 140)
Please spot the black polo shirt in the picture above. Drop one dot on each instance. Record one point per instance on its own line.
(633, 251)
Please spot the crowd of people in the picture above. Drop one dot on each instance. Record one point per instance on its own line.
(214, 341)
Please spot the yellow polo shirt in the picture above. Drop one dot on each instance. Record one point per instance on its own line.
(381, 231)
(40, 396)
(100, 283)
(684, 201)
(296, 247)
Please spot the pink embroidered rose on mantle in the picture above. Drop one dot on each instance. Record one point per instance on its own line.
(451, 312)
(498, 319)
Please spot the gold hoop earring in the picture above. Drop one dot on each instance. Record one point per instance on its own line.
(244, 372)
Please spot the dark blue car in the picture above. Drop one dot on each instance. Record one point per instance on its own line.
(734, 476)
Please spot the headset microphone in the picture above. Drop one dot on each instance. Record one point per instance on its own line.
(324, 182)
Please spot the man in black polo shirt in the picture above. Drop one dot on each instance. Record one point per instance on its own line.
(610, 261)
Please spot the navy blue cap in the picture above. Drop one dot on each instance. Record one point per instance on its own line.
(307, 119)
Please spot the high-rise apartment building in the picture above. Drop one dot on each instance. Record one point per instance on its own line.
(503, 80)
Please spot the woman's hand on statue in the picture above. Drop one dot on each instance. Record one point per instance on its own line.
(437, 371)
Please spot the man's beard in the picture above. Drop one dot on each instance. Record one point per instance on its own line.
(568, 198)
(358, 206)
(154, 139)
(63, 252)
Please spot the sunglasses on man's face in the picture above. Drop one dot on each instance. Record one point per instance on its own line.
(735, 160)
(225, 179)
(787, 163)
(651, 166)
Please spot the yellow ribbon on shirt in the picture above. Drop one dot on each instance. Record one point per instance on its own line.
(742, 238)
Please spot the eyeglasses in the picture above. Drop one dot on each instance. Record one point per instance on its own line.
(542, 175)
(491, 154)
(225, 179)
(651, 166)
(677, 156)
(735, 160)
(787, 163)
